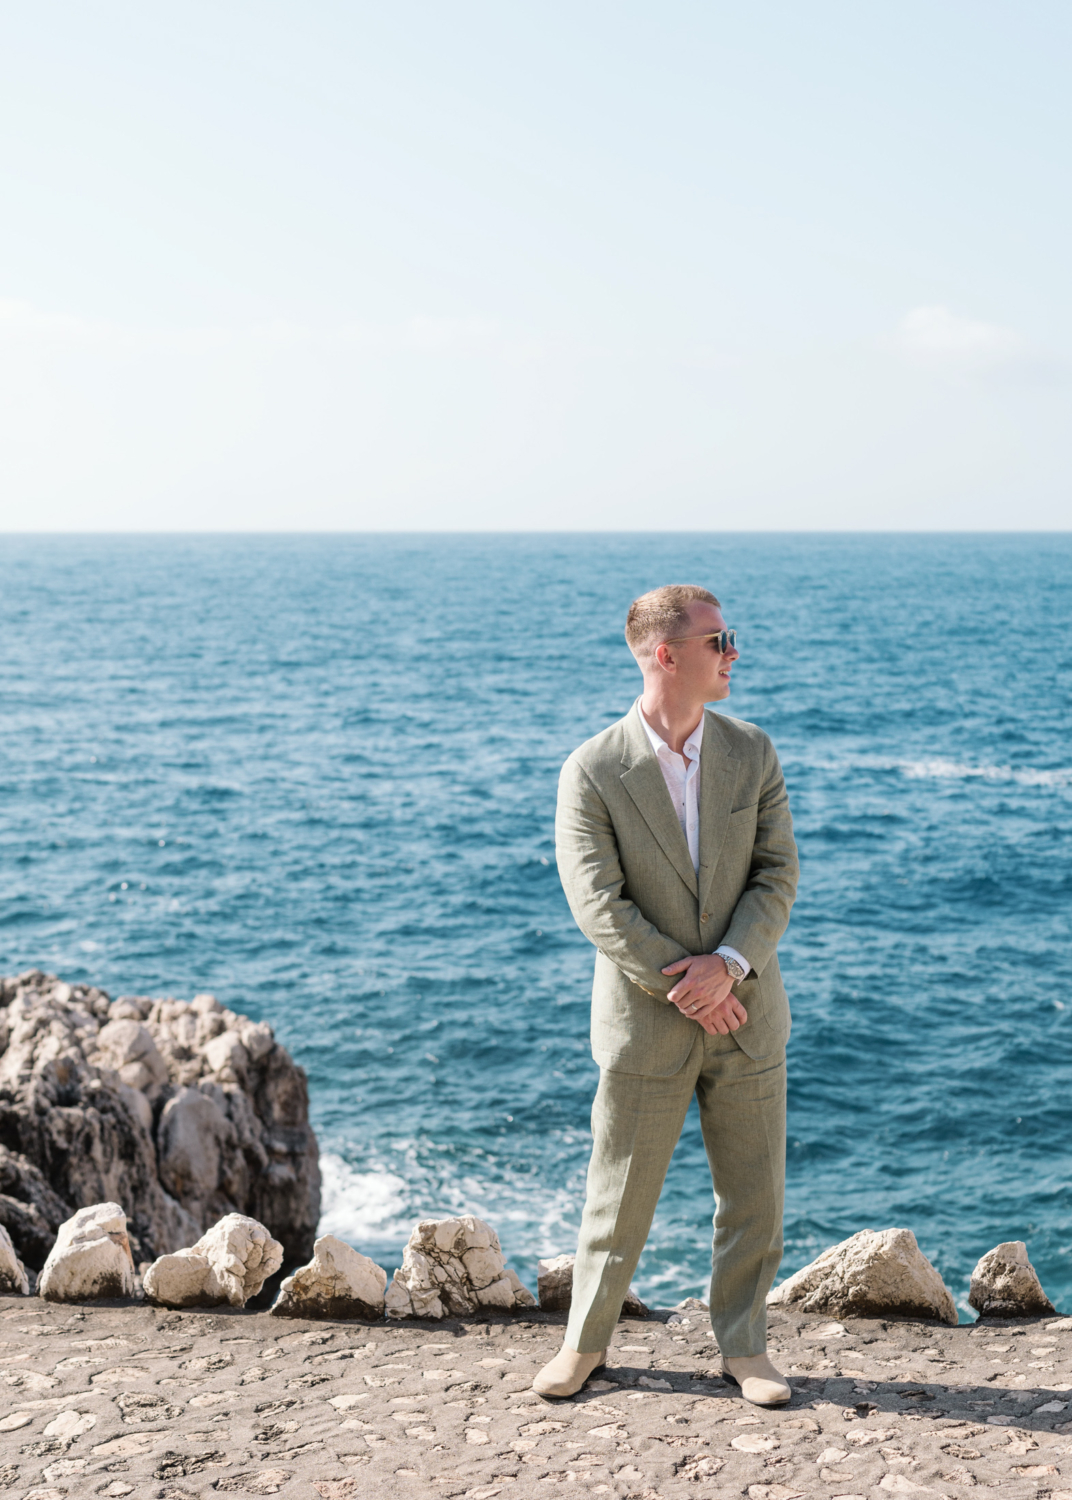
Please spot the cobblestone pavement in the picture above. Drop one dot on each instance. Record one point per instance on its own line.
(121, 1400)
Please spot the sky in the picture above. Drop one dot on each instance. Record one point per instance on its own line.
(506, 265)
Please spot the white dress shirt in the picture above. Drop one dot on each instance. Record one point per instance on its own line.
(682, 776)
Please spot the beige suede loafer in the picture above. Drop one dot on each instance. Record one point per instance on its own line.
(567, 1373)
(759, 1381)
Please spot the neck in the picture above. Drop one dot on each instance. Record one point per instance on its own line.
(671, 718)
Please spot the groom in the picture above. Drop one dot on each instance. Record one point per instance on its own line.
(676, 854)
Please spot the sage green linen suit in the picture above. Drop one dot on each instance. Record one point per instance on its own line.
(628, 877)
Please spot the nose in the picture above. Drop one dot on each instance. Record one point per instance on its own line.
(731, 654)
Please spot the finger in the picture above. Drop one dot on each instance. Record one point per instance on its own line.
(712, 1015)
(681, 991)
(677, 966)
(723, 1014)
(735, 1009)
(701, 995)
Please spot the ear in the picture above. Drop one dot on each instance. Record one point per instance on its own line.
(664, 655)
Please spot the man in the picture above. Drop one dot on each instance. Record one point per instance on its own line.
(676, 854)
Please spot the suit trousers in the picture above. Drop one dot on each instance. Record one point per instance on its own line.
(636, 1123)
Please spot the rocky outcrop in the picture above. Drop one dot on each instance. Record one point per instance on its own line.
(13, 1277)
(554, 1282)
(453, 1267)
(91, 1257)
(228, 1264)
(181, 1111)
(339, 1282)
(30, 1209)
(1004, 1285)
(871, 1275)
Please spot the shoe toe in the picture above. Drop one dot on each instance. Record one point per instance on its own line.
(765, 1392)
(565, 1377)
(550, 1388)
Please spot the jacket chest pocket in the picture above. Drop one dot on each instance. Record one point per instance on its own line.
(743, 820)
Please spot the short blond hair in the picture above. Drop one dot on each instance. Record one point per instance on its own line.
(662, 615)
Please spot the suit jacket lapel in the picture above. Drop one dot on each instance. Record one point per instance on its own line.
(643, 780)
(718, 786)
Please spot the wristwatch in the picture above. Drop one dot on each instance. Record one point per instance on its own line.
(733, 968)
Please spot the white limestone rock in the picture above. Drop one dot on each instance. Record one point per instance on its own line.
(554, 1282)
(181, 1111)
(195, 1141)
(179, 1280)
(91, 1257)
(453, 1267)
(228, 1264)
(339, 1282)
(13, 1277)
(873, 1274)
(1004, 1284)
(127, 1047)
(227, 1057)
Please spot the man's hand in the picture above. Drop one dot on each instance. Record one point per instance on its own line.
(704, 994)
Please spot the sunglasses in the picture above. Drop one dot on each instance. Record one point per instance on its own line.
(722, 640)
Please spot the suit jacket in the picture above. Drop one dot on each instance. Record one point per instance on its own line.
(628, 877)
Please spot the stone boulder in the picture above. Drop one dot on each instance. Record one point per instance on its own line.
(1004, 1285)
(339, 1282)
(128, 1048)
(13, 1277)
(453, 1267)
(871, 1275)
(228, 1264)
(182, 1111)
(554, 1282)
(90, 1259)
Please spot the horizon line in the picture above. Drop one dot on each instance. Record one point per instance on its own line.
(292, 531)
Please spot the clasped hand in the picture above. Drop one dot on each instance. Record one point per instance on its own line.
(704, 994)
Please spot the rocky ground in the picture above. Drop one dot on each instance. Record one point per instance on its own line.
(120, 1400)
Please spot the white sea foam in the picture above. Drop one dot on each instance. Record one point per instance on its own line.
(360, 1205)
(951, 770)
(937, 769)
(377, 1207)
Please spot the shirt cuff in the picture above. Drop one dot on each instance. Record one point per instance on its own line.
(725, 951)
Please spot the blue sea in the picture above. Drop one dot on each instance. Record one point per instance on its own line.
(315, 775)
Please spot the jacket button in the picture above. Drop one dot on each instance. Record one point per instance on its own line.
(704, 918)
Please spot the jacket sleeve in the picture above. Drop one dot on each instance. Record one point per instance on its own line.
(762, 913)
(592, 878)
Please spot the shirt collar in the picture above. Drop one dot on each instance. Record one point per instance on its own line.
(692, 743)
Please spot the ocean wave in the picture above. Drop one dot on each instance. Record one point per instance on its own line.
(360, 1206)
(951, 770)
(935, 768)
(375, 1210)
